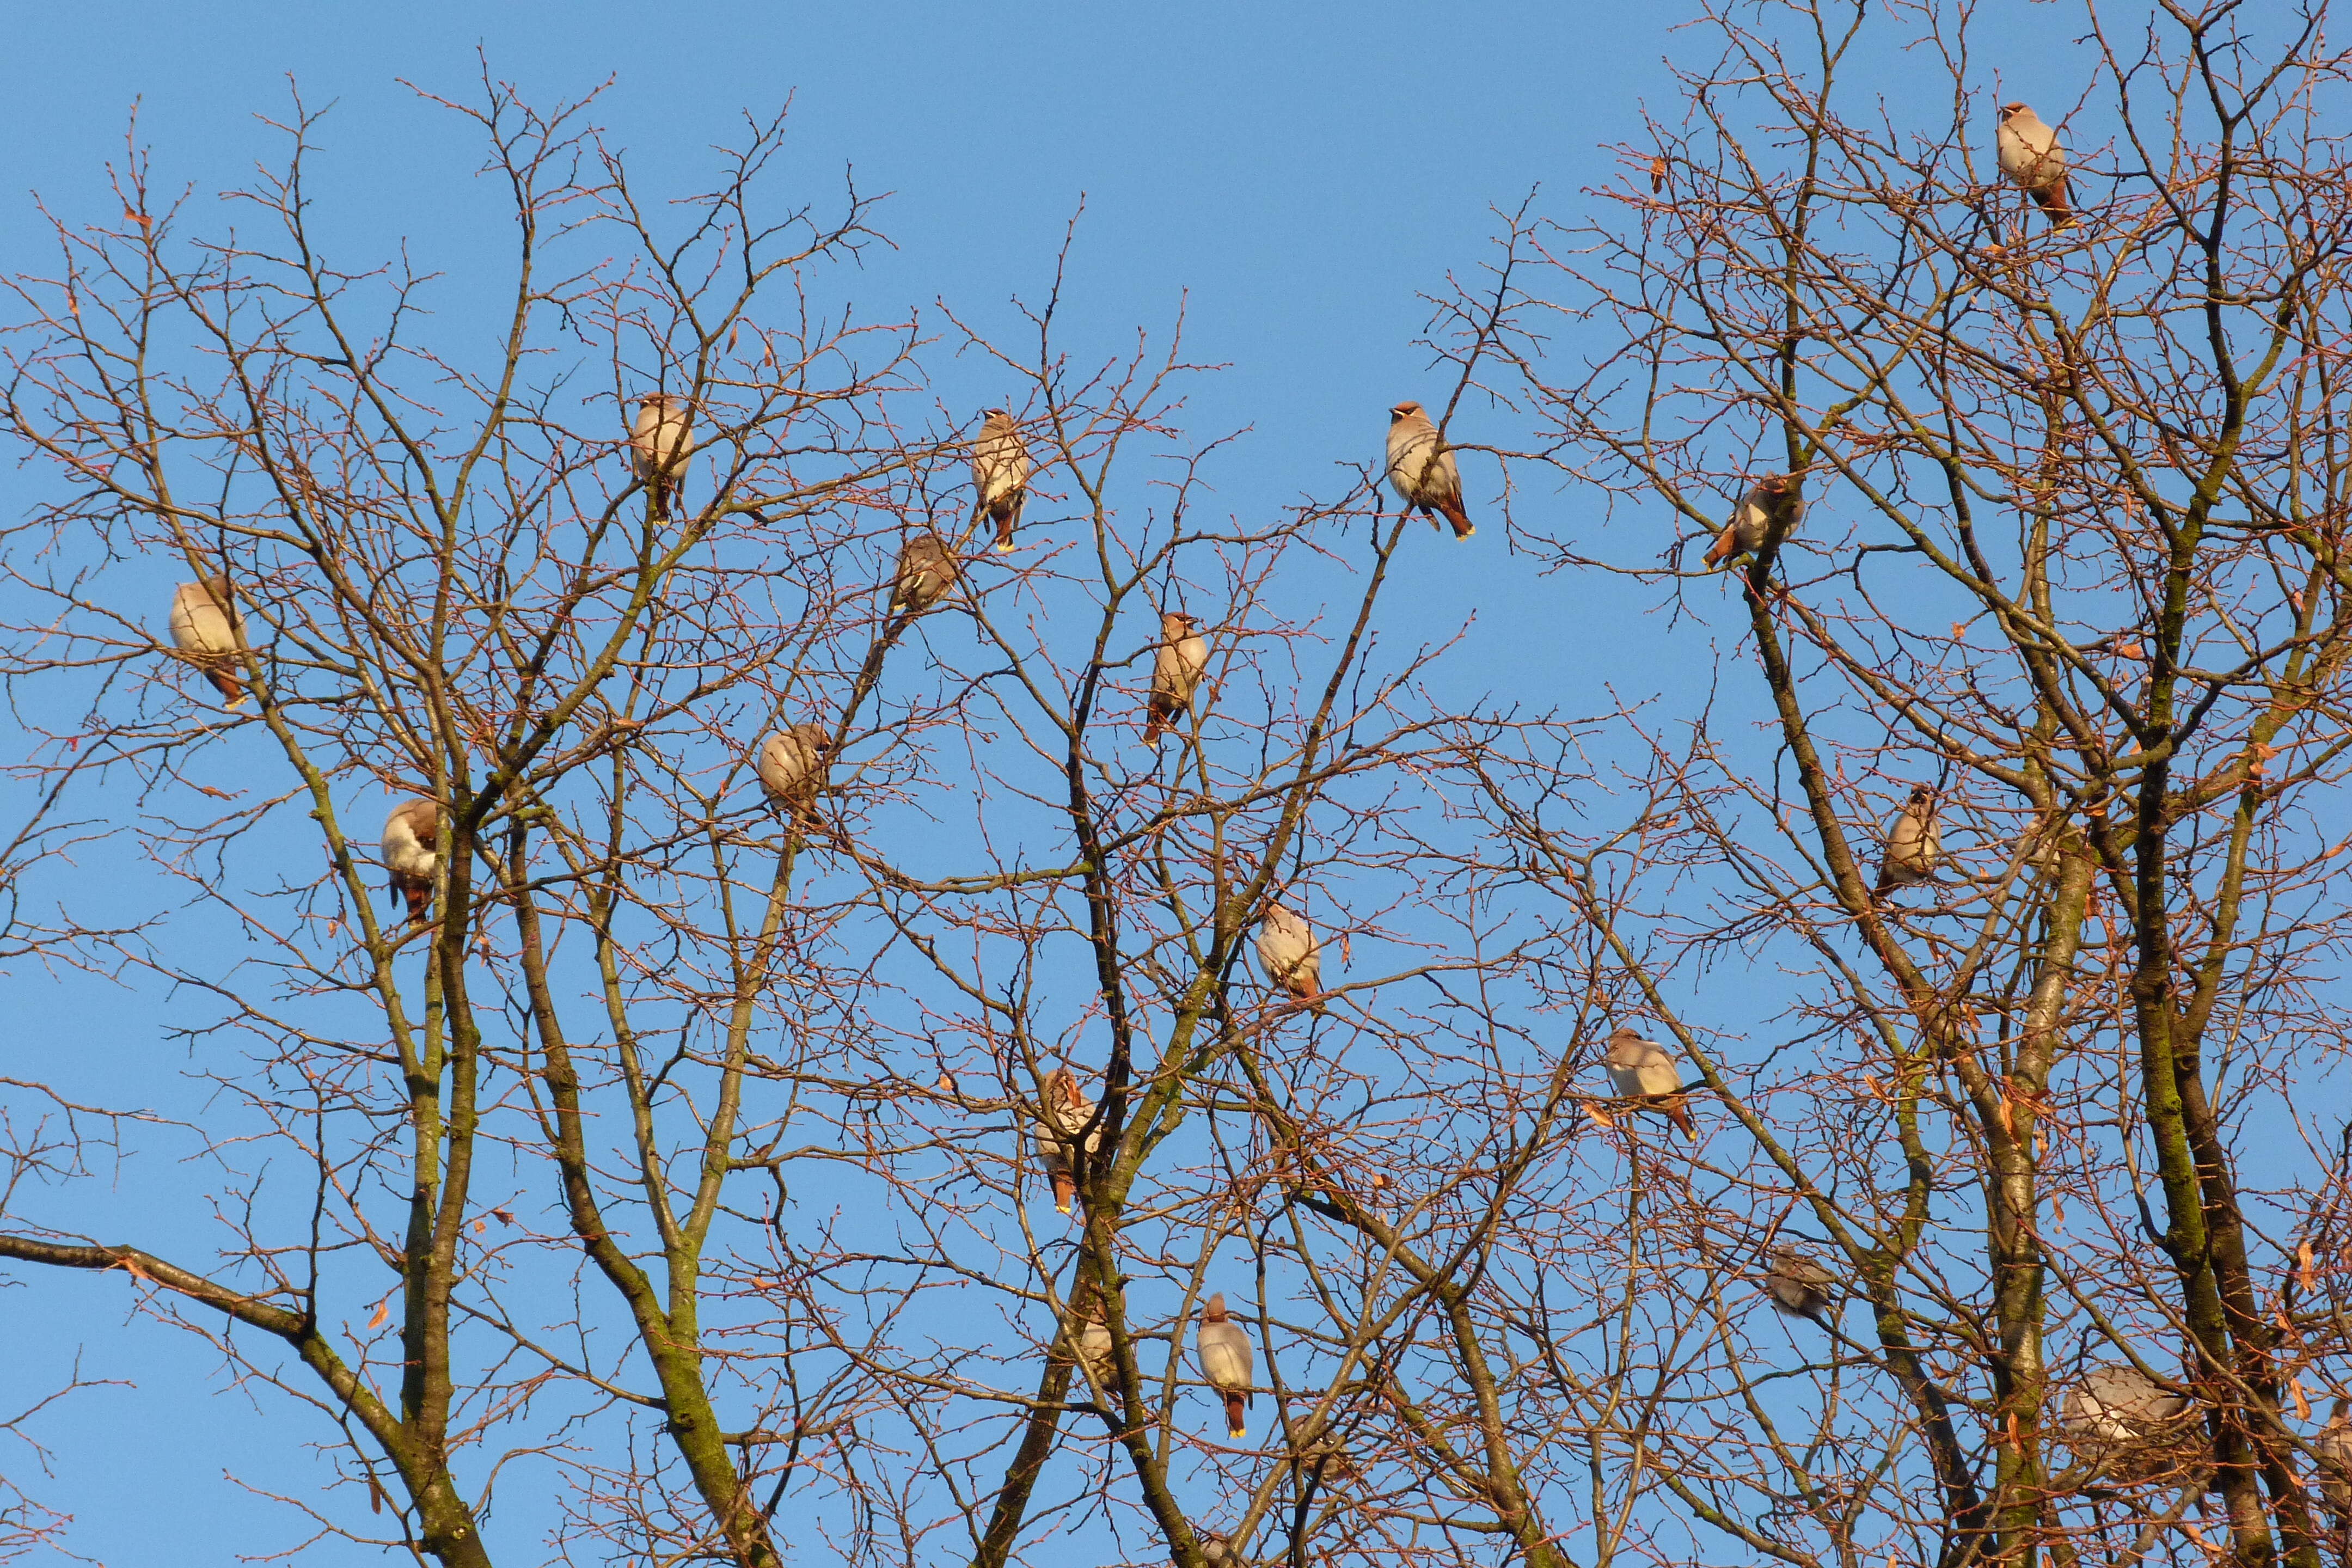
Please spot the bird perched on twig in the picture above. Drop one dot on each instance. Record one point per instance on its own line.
(2035, 163)
(1914, 843)
(1176, 670)
(206, 625)
(1770, 500)
(1645, 1071)
(1291, 955)
(660, 443)
(1094, 1349)
(1000, 475)
(410, 834)
(1425, 476)
(1227, 1362)
(927, 570)
(793, 767)
(1798, 1286)
(1066, 1113)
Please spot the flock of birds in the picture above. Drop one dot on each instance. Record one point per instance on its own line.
(2114, 1404)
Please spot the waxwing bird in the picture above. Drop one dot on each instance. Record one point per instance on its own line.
(1094, 1348)
(1066, 1113)
(1425, 478)
(1215, 1550)
(1290, 954)
(409, 836)
(1227, 1362)
(1914, 843)
(793, 767)
(1000, 475)
(1645, 1071)
(205, 623)
(2127, 1424)
(2035, 163)
(1798, 1286)
(660, 443)
(1176, 670)
(1770, 500)
(927, 570)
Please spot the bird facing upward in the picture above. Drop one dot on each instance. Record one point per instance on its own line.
(1227, 1362)
(1292, 957)
(1425, 478)
(409, 836)
(1176, 669)
(2035, 163)
(1645, 1071)
(205, 624)
(1914, 843)
(1771, 498)
(1000, 475)
(659, 446)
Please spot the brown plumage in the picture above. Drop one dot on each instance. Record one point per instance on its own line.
(1914, 843)
(1424, 475)
(1227, 1364)
(927, 570)
(1293, 958)
(1066, 1113)
(1000, 475)
(793, 767)
(205, 626)
(659, 445)
(1176, 670)
(410, 834)
(1769, 501)
(2030, 155)
(1645, 1071)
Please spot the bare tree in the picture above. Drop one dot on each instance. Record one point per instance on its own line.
(2036, 532)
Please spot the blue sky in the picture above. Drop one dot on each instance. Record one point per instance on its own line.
(1291, 177)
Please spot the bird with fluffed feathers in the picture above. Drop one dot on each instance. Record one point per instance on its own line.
(1422, 469)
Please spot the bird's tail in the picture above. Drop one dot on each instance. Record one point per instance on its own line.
(1678, 1112)
(1158, 717)
(419, 896)
(1066, 1185)
(1008, 518)
(1237, 1415)
(227, 685)
(1726, 544)
(2052, 200)
(1463, 527)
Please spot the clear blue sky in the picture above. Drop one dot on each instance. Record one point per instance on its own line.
(1296, 174)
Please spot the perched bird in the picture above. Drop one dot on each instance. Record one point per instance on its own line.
(1914, 843)
(2035, 163)
(1066, 1113)
(1769, 500)
(1290, 955)
(206, 625)
(660, 444)
(1000, 475)
(1645, 1069)
(1798, 1286)
(1424, 477)
(1215, 1550)
(1176, 670)
(1328, 1461)
(793, 767)
(2121, 1414)
(1094, 1348)
(409, 835)
(927, 570)
(1227, 1362)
